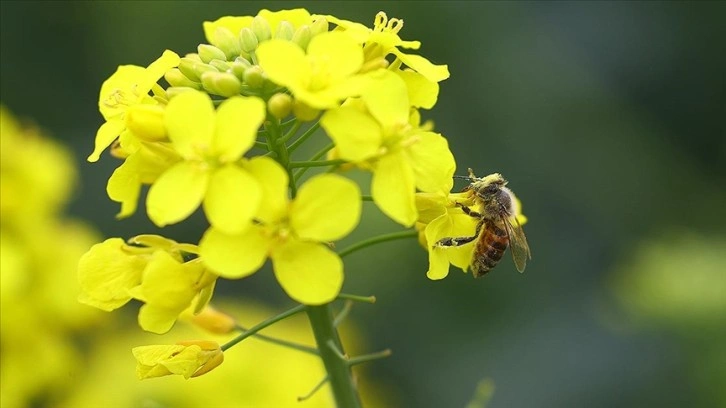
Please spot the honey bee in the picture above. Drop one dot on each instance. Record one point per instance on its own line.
(497, 229)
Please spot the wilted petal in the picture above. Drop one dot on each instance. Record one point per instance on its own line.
(309, 273)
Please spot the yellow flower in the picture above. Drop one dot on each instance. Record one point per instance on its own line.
(322, 77)
(127, 87)
(210, 143)
(377, 131)
(383, 40)
(441, 217)
(188, 359)
(149, 268)
(293, 234)
(219, 30)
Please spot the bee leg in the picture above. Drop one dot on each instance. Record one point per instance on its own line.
(459, 241)
(469, 212)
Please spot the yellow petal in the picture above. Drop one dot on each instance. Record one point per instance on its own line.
(436, 73)
(118, 91)
(357, 136)
(107, 133)
(438, 259)
(234, 256)
(238, 119)
(309, 273)
(284, 63)
(393, 188)
(422, 93)
(156, 70)
(106, 274)
(232, 199)
(341, 54)
(124, 187)
(189, 120)
(432, 162)
(387, 99)
(326, 208)
(176, 194)
(462, 225)
(233, 24)
(274, 182)
(155, 319)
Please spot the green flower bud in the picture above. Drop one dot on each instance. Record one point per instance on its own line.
(261, 28)
(254, 77)
(146, 122)
(194, 56)
(285, 31)
(222, 66)
(248, 40)
(209, 52)
(304, 112)
(173, 91)
(302, 37)
(228, 42)
(320, 25)
(280, 105)
(221, 83)
(176, 78)
(193, 69)
(238, 69)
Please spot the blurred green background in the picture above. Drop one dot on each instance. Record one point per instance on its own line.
(608, 119)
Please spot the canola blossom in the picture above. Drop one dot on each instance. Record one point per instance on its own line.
(219, 129)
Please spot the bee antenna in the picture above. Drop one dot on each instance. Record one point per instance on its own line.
(461, 177)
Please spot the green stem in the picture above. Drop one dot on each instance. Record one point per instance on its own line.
(365, 197)
(254, 329)
(285, 343)
(369, 357)
(262, 145)
(319, 163)
(311, 130)
(343, 313)
(339, 374)
(316, 156)
(283, 154)
(357, 298)
(377, 240)
(290, 133)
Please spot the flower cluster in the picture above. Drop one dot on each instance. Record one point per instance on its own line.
(220, 137)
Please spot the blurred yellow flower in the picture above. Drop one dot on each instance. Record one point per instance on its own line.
(188, 359)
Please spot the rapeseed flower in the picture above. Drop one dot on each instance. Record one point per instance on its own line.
(187, 358)
(293, 234)
(129, 86)
(210, 144)
(377, 133)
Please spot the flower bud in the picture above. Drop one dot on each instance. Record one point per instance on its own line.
(214, 321)
(302, 37)
(320, 25)
(209, 52)
(193, 69)
(285, 31)
(239, 68)
(173, 91)
(254, 77)
(304, 112)
(146, 122)
(261, 28)
(280, 105)
(176, 78)
(248, 40)
(227, 42)
(221, 66)
(221, 83)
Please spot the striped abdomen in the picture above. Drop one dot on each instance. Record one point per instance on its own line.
(490, 247)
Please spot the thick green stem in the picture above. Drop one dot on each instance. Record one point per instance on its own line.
(339, 374)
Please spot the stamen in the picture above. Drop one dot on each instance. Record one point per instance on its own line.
(379, 23)
(394, 25)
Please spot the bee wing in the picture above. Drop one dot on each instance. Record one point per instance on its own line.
(517, 243)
